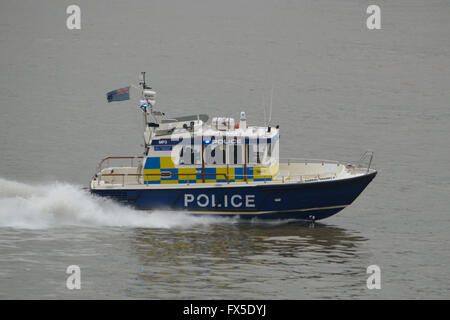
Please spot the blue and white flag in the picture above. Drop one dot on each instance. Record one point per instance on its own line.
(118, 95)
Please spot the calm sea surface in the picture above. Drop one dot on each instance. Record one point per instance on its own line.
(339, 89)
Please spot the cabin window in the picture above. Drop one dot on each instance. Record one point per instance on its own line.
(235, 152)
(247, 153)
(186, 155)
(256, 153)
(224, 154)
(213, 156)
(189, 156)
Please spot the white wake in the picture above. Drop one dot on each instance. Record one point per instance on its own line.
(61, 204)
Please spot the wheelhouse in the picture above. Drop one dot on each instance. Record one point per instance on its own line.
(188, 151)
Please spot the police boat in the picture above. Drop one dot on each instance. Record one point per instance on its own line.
(224, 168)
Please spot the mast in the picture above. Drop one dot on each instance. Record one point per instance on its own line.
(147, 102)
(144, 102)
(142, 80)
(148, 99)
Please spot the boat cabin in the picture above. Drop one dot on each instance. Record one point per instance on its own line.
(186, 150)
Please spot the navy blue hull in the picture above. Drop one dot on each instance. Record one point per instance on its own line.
(305, 201)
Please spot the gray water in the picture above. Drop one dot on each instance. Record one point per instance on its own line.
(339, 89)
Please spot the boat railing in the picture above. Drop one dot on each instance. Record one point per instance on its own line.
(141, 178)
(365, 161)
(305, 178)
(363, 164)
(290, 161)
(133, 161)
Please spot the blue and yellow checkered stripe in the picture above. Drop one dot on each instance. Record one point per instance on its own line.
(155, 166)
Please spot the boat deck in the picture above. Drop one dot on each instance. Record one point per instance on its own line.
(290, 171)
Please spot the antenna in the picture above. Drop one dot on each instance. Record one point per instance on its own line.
(142, 81)
(270, 107)
(265, 122)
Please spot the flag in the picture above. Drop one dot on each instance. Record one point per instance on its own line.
(119, 94)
